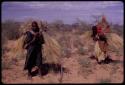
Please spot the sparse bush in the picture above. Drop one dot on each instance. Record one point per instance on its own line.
(81, 51)
(85, 62)
(78, 43)
(10, 30)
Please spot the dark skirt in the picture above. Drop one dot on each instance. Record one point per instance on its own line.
(33, 57)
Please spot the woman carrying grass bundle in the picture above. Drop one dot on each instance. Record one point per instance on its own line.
(33, 43)
(104, 41)
(99, 35)
(40, 47)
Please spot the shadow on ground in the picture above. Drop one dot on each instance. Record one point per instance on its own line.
(107, 60)
(46, 68)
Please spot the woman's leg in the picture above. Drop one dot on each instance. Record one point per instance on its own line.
(39, 62)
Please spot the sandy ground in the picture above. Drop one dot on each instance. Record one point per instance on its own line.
(95, 73)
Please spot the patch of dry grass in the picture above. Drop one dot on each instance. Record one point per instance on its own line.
(66, 52)
(86, 66)
(81, 51)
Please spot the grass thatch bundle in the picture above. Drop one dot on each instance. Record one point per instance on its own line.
(115, 40)
(15, 48)
(18, 44)
(51, 49)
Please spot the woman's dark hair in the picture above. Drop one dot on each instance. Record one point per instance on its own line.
(94, 31)
(34, 24)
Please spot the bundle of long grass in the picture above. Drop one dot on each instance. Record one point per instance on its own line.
(115, 40)
(51, 49)
(19, 44)
(15, 48)
(87, 39)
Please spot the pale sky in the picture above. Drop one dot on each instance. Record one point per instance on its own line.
(67, 11)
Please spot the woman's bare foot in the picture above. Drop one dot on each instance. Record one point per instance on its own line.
(29, 77)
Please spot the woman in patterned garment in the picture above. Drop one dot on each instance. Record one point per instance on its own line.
(102, 29)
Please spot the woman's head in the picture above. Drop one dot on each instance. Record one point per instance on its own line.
(35, 27)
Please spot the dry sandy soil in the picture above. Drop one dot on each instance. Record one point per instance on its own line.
(94, 73)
